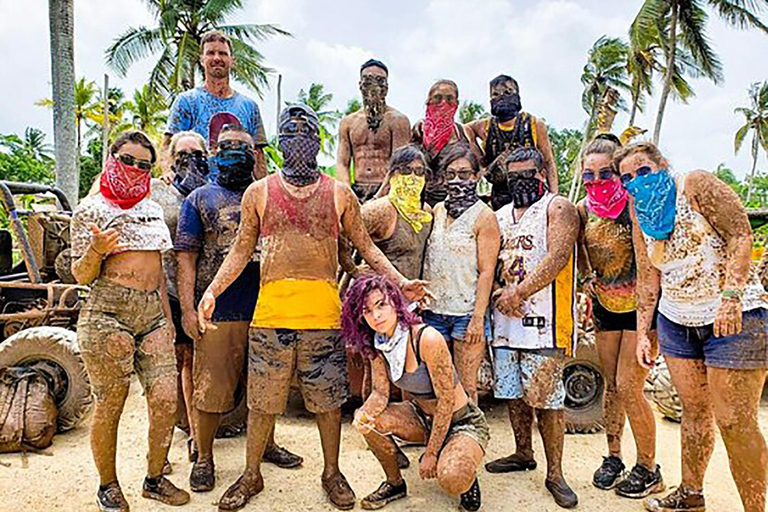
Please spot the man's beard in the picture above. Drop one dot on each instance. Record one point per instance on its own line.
(375, 106)
(219, 71)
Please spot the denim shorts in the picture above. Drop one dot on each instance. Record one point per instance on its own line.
(747, 350)
(454, 327)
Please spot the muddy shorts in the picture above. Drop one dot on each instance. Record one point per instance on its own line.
(218, 365)
(468, 421)
(113, 310)
(747, 350)
(536, 376)
(317, 357)
(454, 327)
(365, 191)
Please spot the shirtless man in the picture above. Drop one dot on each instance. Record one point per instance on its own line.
(507, 129)
(296, 216)
(371, 135)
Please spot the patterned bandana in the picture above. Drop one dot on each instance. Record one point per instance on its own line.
(300, 158)
(606, 198)
(462, 194)
(438, 125)
(405, 196)
(235, 168)
(374, 91)
(525, 191)
(655, 197)
(189, 173)
(123, 185)
(394, 349)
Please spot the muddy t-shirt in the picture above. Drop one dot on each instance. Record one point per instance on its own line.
(208, 224)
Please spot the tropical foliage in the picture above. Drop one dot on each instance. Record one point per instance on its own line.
(756, 123)
(27, 158)
(319, 100)
(471, 111)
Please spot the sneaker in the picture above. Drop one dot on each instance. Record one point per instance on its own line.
(511, 463)
(110, 498)
(162, 490)
(680, 500)
(202, 478)
(386, 493)
(472, 500)
(609, 474)
(339, 493)
(281, 457)
(641, 482)
(562, 493)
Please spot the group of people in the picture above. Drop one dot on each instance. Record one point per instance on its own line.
(240, 271)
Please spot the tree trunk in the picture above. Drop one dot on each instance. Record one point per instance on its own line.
(670, 72)
(751, 183)
(633, 111)
(61, 22)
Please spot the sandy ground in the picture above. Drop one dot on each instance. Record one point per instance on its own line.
(67, 480)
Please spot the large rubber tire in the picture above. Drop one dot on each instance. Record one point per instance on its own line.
(584, 385)
(59, 347)
(232, 422)
(663, 392)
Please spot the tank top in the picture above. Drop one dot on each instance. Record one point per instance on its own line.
(299, 257)
(522, 134)
(450, 264)
(435, 189)
(612, 257)
(405, 248)
(550, 313)
(419, 382)
(693, 268)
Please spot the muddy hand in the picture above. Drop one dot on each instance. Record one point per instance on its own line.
(508, 302)
(205, 312)
(190, 325)
(646, 351)
(728, 318)
(104, 243)
(475, 330)
(416, 290)
(428, 467)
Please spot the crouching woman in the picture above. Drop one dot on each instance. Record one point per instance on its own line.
(414, 357)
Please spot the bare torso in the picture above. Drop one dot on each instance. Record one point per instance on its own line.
(141, 270)
(371, 150)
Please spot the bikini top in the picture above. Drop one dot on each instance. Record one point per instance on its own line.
(419, 382)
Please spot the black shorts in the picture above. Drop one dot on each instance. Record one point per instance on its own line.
(181, 336)
(606, 321)
(365, 191)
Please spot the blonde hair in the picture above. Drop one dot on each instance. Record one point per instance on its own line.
(181, 135)
(648, 148)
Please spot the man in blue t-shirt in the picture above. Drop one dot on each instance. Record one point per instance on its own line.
(207, 109)
(207, 228)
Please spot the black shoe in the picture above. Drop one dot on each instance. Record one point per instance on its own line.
(563, 494)
(681, 500)
(641, 482)
(514, 462)
(609, 474)
(472, 500)
(162, 490)
(202, 478)
(281, 457)
(110, 498)
(386, 493)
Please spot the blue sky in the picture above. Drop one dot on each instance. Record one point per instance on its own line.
(543, 44)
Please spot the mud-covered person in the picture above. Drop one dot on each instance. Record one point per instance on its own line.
(405, 352)
(607, 263)
(693, 245)
(368, 137)
(118, 236)
(459, 265)
(435, 133)
(508, 128)
(296, 216)
(207, 228)
(534, 316)
(187, 170)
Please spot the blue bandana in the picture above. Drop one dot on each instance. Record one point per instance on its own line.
(655, 197)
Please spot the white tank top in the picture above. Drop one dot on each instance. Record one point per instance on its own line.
(550, 312)
(693, 268)
(450, 265)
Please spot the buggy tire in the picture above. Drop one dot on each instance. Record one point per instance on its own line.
(58, 346)
(584, 385)
(233, 422)
(663, 392)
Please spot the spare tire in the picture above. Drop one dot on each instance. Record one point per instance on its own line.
(584, 385)
(232, 423)
(663, 392)
(58, 348)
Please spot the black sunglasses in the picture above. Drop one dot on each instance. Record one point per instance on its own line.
(295, 127)
(604, 174)
(524, 174)
(462, 174)
(131, 161)
(405, 170)
(233, 144)
(196, 154)
(640, 171)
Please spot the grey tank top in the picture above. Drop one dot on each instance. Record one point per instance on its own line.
(418, 382)
(405, 248)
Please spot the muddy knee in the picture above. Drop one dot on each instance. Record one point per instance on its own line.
(163, 393)
(455, 479)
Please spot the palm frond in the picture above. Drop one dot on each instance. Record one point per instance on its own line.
(216, 10)
(160, 76)
(740, 14)
(693, 36)
(741, 134)
(247, 67)
(131, 46)
(253, 32)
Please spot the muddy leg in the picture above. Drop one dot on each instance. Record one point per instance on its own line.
(736, 398)
(608, 348)
(521, 418)
(469, 357)
(631, 380)
(457, 464)
(552, 430)
(207, 425)
(106, 417)
(259, 427)
(329, 424)
(697, 430)
(184, 358)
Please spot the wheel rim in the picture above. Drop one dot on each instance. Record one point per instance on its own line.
(583, 385)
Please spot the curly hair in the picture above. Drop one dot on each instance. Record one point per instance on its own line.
(355, 331)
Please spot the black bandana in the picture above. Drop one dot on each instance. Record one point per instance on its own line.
(462, 194)
(189, 173)
(506, 107)
(374, 91)
(526, 191)
(300, 158)
(235, 168)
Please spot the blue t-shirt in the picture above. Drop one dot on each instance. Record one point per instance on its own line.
(208, 223)
(193, 110)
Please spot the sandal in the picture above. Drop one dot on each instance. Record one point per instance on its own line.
(240, 493)
(339, 493)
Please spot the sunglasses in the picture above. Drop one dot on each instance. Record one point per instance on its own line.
(295, 128)
(374, 80)
(196, 154)
(523, 174)
(131, 161)
(463, 174)
(405, 170)
(233, 144)
(640, 171)
(603, 174)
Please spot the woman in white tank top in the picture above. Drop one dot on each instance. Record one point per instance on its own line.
(692, 243)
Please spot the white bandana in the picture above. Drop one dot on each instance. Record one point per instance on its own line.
(394, 349)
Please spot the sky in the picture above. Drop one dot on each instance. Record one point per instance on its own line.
(542, 44)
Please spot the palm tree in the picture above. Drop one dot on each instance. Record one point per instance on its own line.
(756, 121)
(88, 107)
(606, 69)
(682, 25)
(471, 111)
(33, 145)
(61, 25)
(148, 109)
(353, 106)
(181, 24)
(317, 99)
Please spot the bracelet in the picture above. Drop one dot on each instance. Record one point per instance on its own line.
(101, 255)
(732, 294)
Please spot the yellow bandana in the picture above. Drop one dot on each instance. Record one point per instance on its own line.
(405, 196)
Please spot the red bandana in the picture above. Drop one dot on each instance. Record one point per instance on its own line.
(438, 125)
(123, 185)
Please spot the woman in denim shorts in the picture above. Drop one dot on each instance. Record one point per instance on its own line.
(693, 244)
